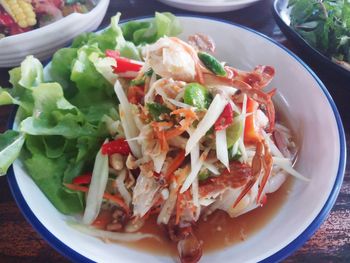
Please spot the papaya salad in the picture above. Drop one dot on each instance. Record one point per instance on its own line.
(178, 133)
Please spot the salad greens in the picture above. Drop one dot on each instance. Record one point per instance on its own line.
(156, 110)
(63, 114)
(149, 31)
(325, 25)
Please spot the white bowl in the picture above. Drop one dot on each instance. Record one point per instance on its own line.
(209, 6)
(44, 41)
(309, 109)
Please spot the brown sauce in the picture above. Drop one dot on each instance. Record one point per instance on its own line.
(219, 230)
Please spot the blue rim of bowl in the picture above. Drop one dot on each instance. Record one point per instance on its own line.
(277, 256)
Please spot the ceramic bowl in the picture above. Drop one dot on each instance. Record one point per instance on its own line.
(209, 6)
(314, 118)
(281, 13)
(44, 41)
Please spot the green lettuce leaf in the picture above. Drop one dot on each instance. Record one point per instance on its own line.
(48, 175)
(23, 80)
(61, 68)
(6, 97)
(65, 117)
(54, 115)
(31, 72)
(11, 143)
(84, 73)
(164, 24)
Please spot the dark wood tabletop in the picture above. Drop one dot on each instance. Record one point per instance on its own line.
(331, 243)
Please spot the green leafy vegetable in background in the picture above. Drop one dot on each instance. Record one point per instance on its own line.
(325, 25)
(63, 116)
(164, 24)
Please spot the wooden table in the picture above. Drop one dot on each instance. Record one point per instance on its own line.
(331, 243)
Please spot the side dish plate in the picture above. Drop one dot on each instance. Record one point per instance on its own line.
(209, 6)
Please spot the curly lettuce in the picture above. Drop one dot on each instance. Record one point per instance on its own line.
(63, 115)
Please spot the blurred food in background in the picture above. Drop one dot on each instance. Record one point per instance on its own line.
(18, 16)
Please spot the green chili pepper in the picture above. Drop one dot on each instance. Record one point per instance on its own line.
(149, 72)
(156, 110)
(138, 82)
(233, 132)
(203, 175)
(197, 96)
(234, 157)
(212, 64)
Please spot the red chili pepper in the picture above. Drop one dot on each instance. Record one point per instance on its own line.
(136, 94)
(15, 29)
(225, 119)
(83, 179)
(118, 146)
(124, 64)
(5, 19)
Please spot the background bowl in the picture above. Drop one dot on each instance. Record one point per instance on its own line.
(209, 6)
(281, 13)
(44, 41)
(314, 118)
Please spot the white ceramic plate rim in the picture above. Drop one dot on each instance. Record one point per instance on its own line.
(63, 21)
(283, 252)
(211, 4)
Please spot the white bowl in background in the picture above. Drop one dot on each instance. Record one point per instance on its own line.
(209, 6)
(310, 110)
(43, 42)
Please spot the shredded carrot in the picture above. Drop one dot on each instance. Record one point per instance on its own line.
(188, 113)
(113, 198)
(160, 134)
(177, 131)
(178, 208)
(143, 115)
(162, 140)
(176, 163)
(181, 176)
(182, 203)
(161, 124)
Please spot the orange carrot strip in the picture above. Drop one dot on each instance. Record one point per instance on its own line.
(187, 112)
(250, 132)
(162, 124)
(162, 140)
(174, 132)
(178, 208)
(176, 163)
(113, 198)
